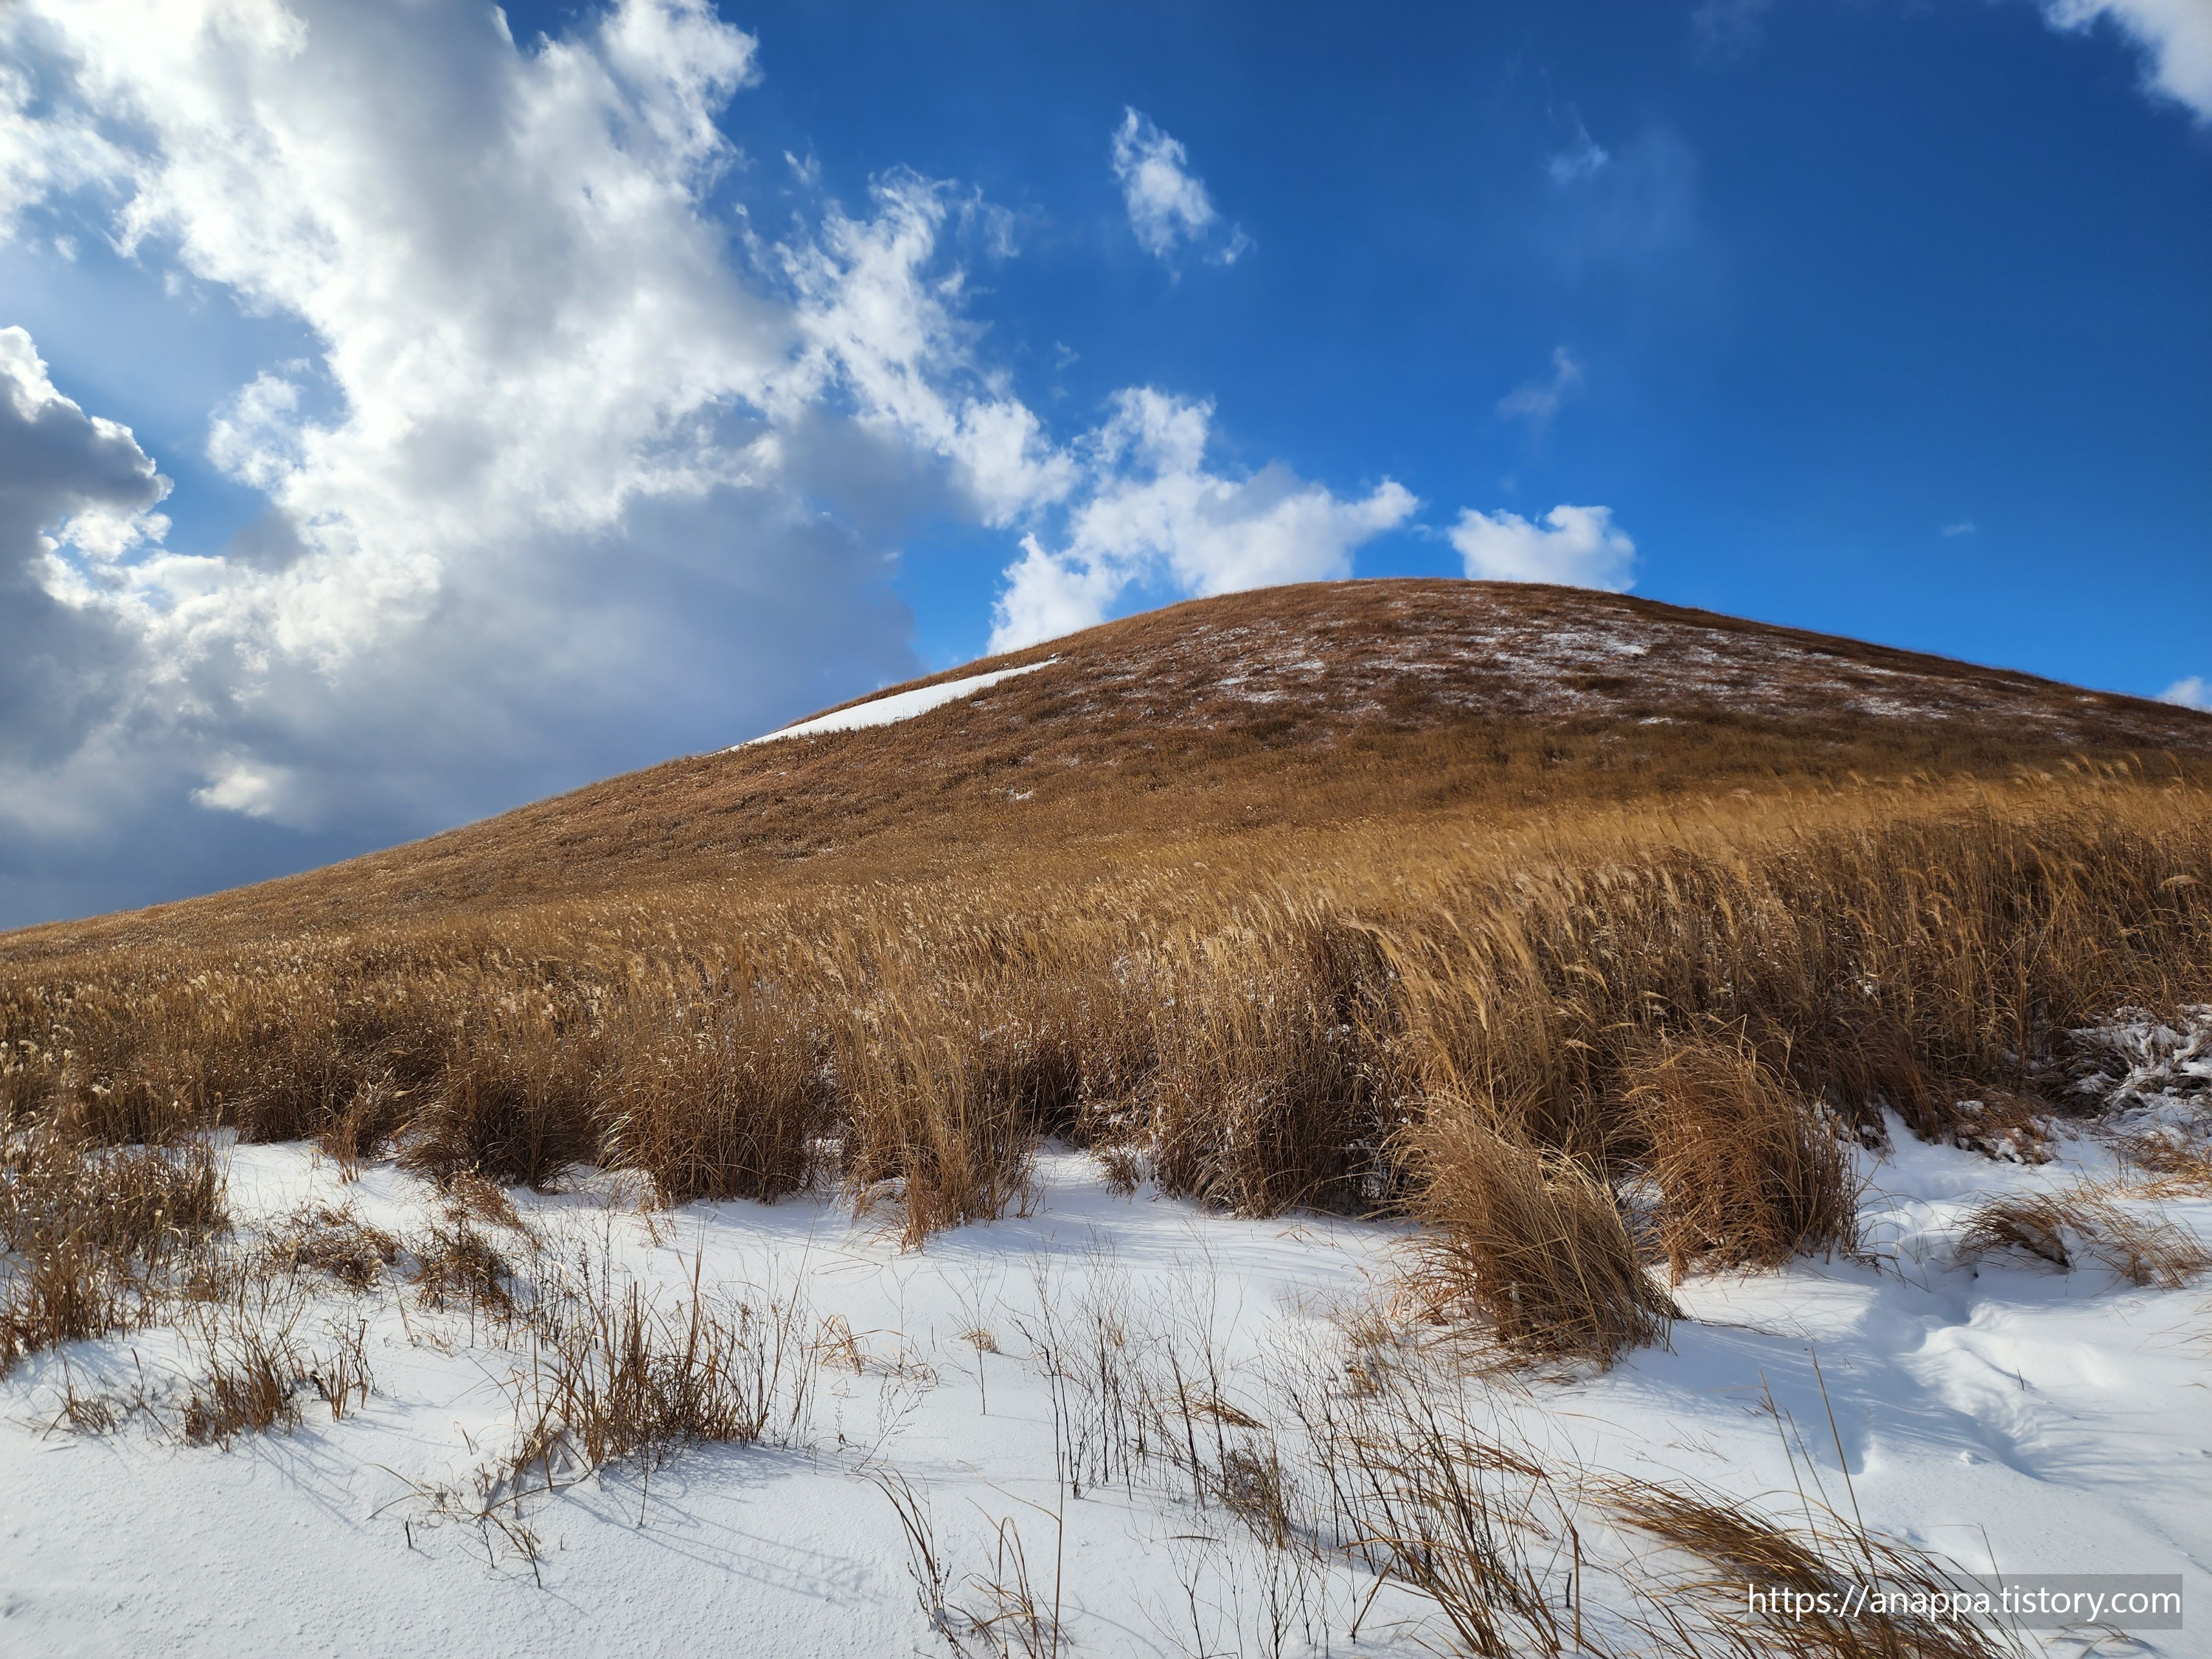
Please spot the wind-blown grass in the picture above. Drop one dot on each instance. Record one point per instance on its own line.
(1493, 1028)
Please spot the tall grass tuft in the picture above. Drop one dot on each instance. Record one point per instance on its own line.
(1530, 1239)
(1267, 1095)
(513, 1103)
(1749, 1172)
(715, 1098)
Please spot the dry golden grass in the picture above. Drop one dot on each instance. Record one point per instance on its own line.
(1749, 1172)
(251, 1372)
(714, 1099)
(1302, 708)
(2145, 1249)
(1507, 1540)
(99, 1232)
(618, 1373)
(1907, 946)
(1822, 1562)
(1387, 917)
(456, 1266)
(1531, 1239)
(335, 1243)
(2175, 1167)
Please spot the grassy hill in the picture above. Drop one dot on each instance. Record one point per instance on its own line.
(1468, 900)
(1305, 708)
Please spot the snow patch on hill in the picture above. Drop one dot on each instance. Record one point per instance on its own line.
(899, 706)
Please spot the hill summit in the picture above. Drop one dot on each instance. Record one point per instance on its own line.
(1311, 704)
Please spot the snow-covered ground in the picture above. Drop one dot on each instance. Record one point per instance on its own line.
(899, 706)
(1993, 1410)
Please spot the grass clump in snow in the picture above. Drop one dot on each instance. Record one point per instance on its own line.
(330, 1241)
(2087, 1218)
(251, 1372)
(618, 1371)
(1749, 1172)
(1531, 1239)
(97, 1234)
(1522, 1550)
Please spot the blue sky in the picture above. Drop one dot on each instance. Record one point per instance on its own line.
(1873, 272)
(515, 399)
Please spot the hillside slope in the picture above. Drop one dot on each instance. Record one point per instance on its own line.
(1434, 982)
(1295, 706)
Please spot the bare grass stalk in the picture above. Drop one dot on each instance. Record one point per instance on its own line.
(617, 1373)
(251, 1372)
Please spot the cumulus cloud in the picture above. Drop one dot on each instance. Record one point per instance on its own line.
(2175, 37)
(559, 487)
(77, 495)
(1537, 402)
(1169, 207)
(1153, 514)
(566, 467)
(1575, 545)
(2194, 692)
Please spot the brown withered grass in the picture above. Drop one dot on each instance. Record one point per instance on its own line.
(458, 1267)
(514, 1101)
(1409, 928)
(1749, 1171)
(1531, 1239)
(1504, 1537)
(1269, 1021)
(1823, 1561)
(100, 1233)
(332, 1242)
(2083, 1219)
(617, 1372)
(714, 1099)
(250, 1372)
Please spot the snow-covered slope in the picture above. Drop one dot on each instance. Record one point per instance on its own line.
(1985, 1410)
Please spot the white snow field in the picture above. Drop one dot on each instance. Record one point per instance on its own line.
(1993, 1410)
(899, 706)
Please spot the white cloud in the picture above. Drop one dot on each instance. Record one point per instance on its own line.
(240, 784)
(876, 327)
(1725, 30)
(1583, 159)
(566, 467)
(2174, 35)
(1963, 527)
(1169, 207)
(1047, 596)
(1576, 545)
(1150, 512)
(523, 343)
(43, 149)
(2194, 692)
(1537, 401)
(77, 495)
(544, 500)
